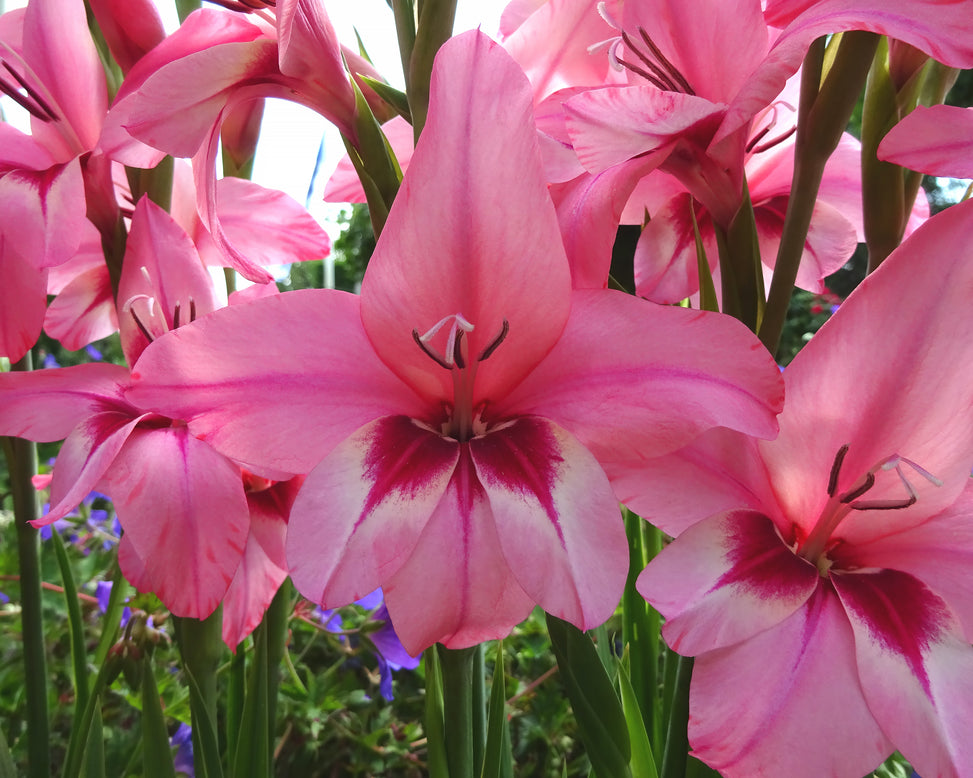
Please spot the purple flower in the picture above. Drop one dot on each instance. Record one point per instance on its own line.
(182, 741)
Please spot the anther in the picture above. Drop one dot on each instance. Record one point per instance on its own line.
(452, 355)
(138, 323)
(429, 352)
(495, 344)
(836, 469)
(32, 102)
(854, 494)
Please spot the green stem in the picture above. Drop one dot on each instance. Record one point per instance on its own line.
(822, 118)
(22, 464)
(201, 647)
(435, 26)
(677, 740)
(479, 707)
(457, 668)
(277, 621)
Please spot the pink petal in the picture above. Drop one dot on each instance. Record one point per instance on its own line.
(46, 405)
(267, 226)
(719, 471)
(715, 44)
(264, 565)
(86, 456)
(44, 212)
(916, 668)
(938, 552)
(130, 28)
(482, 224)
(937, 140)
(786, 702)
(550, 42)
(63, 56)
(362, 510)
(456, 588)
(887, 376)
(184, 513)
(725, 580)
(609, 126)
(83, 310)
(556, 517)
(23, 300)
(634, 380)
(163, 283)
(282, 397)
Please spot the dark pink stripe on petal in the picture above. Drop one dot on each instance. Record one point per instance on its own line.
(900, 613)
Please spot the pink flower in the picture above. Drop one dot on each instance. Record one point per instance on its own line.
(49, 65)
(182, 505)
(462, 418)
(821, 580)
(177, 97)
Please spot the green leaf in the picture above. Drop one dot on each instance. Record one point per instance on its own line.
(435, 722)
(498, 759)
(252, 757)
(707, 290)
(643, 763)
(76, 626)
(156, 751)
(596, 706)
(207, 762)
(7, 767)
(394, 97)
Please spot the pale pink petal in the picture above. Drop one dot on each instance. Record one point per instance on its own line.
(45, 405)
(908, 393)
(23, 300)
(19, 150)
(725, 580)
(184, 512)
(481, 225)
(786, 702)
(268, 226)
(589, 208)
(264, 565)
(163, 284)
(719, 471)
(86, 456)
(83, 310)
(361, 511)
(634, 380)
(558, 521)
(609, 126)
(303, 379)
(937, 140)
(344, 185)
(666, 265)
(551, 44)
(456, 588)
(44, 212)
(916, 668)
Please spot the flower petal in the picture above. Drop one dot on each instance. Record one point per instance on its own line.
(786, 702)
(184, 512)
(558, 521)
(23, 301)
(361, 511)
(934, 140)
(285, 409)
(475, 185)
(635, 380)
(867, 377)
(916, 668)
(725, 580)
(456, 588)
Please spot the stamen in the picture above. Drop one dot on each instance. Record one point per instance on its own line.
(138, 323)
(452, 355)
(847, 497)
(488, 351)
(836, 469)
(192, 309)
(175, 316)
(772, 142)
(672, 69)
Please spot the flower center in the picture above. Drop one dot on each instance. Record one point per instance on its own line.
(462, 420)
(815, 546)
(149, 324)
(651, 63)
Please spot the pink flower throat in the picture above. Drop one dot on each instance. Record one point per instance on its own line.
(462, 420)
